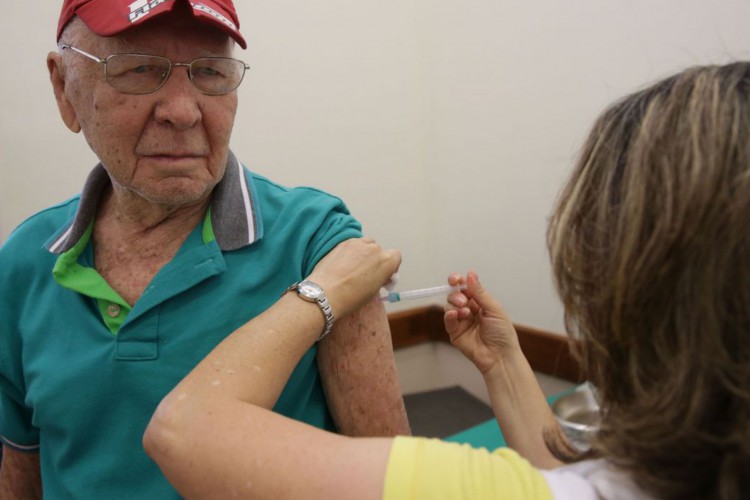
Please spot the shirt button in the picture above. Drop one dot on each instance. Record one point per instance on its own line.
(113, 310)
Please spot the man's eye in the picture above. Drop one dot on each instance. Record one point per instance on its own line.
(205, 71)
(145, 69)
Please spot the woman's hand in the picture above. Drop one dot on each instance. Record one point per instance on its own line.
(353, 272)
(477, 323)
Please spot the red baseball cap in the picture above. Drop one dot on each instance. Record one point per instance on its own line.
(110, 17)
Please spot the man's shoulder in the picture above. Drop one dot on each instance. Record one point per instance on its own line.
(303, 213)
(268, 189)
(307, 206)
(32, 233)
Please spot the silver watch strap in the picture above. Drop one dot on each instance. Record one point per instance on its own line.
(325, 308)
(321, 301)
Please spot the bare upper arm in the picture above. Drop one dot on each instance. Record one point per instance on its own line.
(20, 477)
(359, 376)
(229, 448)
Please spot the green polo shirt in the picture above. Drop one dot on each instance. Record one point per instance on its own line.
(81, 372)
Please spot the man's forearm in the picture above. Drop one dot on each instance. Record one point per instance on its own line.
(359, 375)
(20, 478)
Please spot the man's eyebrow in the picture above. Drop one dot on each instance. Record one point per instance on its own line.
(124, 47)
(210, 53)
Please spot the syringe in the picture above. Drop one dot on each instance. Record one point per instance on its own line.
(419, 293)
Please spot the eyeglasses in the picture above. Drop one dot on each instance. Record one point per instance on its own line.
(143, 74)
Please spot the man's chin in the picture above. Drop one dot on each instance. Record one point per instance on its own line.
(175, 196)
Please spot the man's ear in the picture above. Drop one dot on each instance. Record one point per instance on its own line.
(57, 77)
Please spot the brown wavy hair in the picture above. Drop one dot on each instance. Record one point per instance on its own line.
(650, 249)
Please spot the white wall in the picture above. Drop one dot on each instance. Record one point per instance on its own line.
(435, 365)
(447, 125)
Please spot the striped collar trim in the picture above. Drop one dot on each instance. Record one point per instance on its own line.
(235, 214)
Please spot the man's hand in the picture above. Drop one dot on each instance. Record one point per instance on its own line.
(359, 375)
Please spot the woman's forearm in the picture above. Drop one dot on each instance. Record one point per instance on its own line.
(214, 435)
(210, 430)
(246, 367)
(521, 409)
(254, 363)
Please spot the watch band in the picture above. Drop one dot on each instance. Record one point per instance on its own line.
(312, 292)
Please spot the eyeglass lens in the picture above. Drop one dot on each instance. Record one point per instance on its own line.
(141, 74)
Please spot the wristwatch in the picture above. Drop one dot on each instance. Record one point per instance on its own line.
(312, 292)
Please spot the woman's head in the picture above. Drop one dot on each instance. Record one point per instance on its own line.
(650, 248)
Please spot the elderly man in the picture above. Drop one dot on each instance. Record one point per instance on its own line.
(110, 298)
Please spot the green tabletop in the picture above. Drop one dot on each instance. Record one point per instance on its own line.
(488, 434)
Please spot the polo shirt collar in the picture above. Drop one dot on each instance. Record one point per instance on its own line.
(235, 214)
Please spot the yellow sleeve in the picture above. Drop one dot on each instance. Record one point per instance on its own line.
(421, 468)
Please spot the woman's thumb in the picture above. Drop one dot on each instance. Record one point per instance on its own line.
(482, 297)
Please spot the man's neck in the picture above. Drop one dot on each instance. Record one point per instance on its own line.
(135, 217)
(133, 240)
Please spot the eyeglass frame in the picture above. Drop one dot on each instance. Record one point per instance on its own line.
(189, 67)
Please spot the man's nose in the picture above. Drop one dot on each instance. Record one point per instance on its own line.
(178, 100)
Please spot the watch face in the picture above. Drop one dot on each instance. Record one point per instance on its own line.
(309, 289)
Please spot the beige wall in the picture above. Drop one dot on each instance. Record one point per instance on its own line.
(447, 125)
